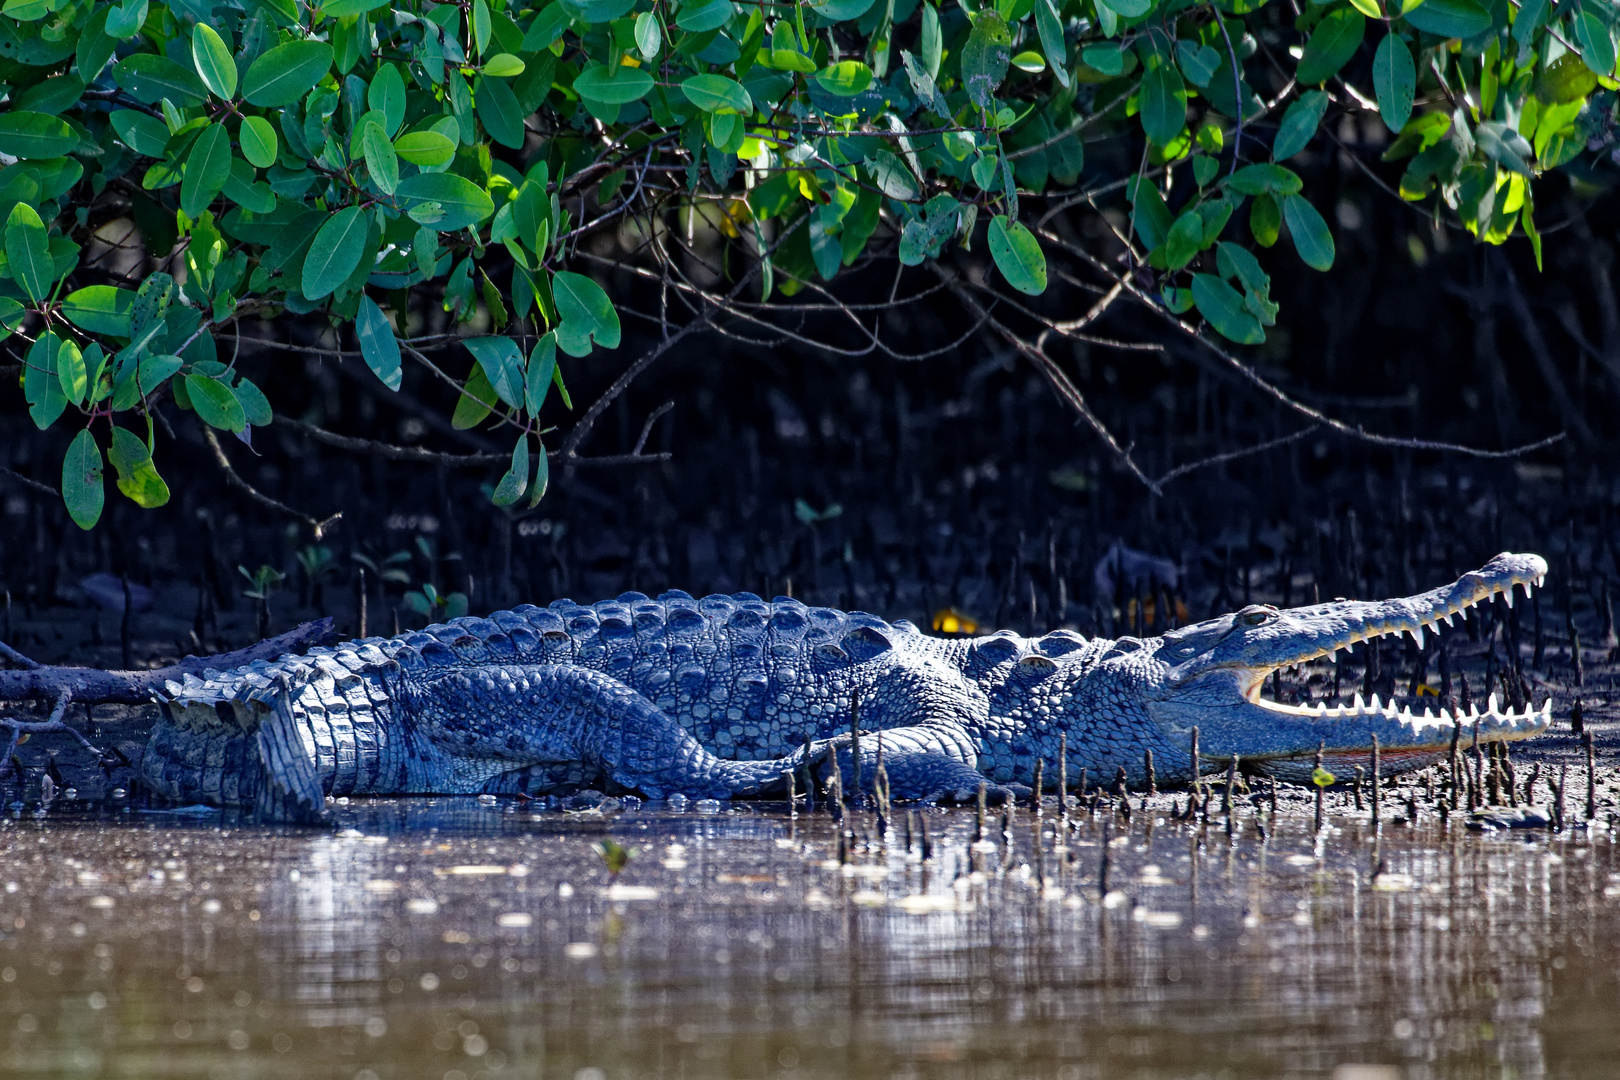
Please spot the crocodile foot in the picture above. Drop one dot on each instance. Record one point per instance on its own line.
(994, 794)
(921, 777)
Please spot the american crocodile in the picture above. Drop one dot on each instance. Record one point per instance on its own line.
(719, 696)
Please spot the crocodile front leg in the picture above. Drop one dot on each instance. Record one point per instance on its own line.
(483, 721)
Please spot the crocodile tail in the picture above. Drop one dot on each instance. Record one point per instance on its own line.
(277, 737)
(200, 752)
(288, 787)
(244, 753)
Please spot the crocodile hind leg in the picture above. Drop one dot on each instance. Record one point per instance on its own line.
(924, 763)
(495, 719)
(547, 779)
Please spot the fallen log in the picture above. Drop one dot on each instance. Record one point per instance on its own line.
(98, 686)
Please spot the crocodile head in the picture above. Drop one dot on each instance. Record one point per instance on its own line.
(1211, 675)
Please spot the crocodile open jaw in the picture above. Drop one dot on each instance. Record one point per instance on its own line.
(1263, 640)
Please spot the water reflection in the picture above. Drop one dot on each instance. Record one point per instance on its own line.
(452, 939)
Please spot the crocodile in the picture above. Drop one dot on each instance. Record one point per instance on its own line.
(724, 696)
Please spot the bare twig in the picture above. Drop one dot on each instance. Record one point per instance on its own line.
(461, 391)
(235, 480)
(390, 452)
(17, 658)
(1237, 89)
(1275, 393)
(1076, 127)
(1233, 455)
(626, 377)
(646, 429)
(745, 312)
(949, 347)
(31, 485)
(20, 728)
(1102, 305)
(1530, 330)
(700, 320)
(1057, 377)
(430, 341)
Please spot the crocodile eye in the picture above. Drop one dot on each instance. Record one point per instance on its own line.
(1255, 616)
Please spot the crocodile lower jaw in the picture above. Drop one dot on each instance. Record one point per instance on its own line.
(1404, 729)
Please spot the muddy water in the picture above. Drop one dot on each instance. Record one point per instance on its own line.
(450, 940)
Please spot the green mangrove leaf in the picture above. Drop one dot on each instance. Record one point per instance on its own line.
(1332, 44)
(137, 474)
(377, 342)
(1312, 239)
(1450, 18)
(1299, 124)
(601, 84)
(28, 249)
(1017, 255)
(82, 489)
(259, 142)
(100, 309)
(215, 403)
(459, 201)
(1394, 81)
(213, 62)
(334, 253)
(502, 364)
(1222, 307)
(586, 313)
(985, 57)
(33, 135)
(286, 73)
(1163, 110)
(516, 480)
(208, 166)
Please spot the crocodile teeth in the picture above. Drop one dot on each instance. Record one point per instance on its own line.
(1490, 703)
(1373, 706)
(1507, 595)
(1358, 705)
(1417, 635)
(1526, 590)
